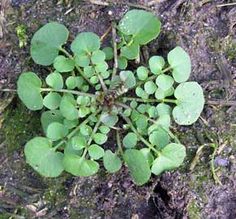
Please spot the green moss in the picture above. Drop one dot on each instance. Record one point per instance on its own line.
(19, 126)
(193, 210)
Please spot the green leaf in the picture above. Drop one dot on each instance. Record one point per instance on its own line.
(138, 166)
(96, 152)
(94, 79)
(159, 137)
(180, 63)
(164, 82)
(142, 25)
(170, 157)
(163, 109)
(122, 62)
(156, 64)
(63, 64)
(108, 52)
(68, 108)
(109, 119)
(130, 140)
(142, 73)
(161, 94)
(41, 156)
(148, 155)
(141, 122)
(79, 166)
(152, 112)
(69, 124)
(141, 93)
(130, 51)
(111, 161)
(82, 59)
(150, 87)
(99, 138)
(52, 100)
(128, 79)
(47, 41)
(85, 130)
(98, 57)
(86, 42)
(190, 103)
(89, 71)
(56, 131)
(55, 80)
(71, 82)
(83, 111)
(78, 142)
(28, 90)
(101, 67)
(49, 117)
(104, 129)
(83, 100)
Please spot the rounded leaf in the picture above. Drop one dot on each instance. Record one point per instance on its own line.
(164, 82)
(52, 100)
(138, 166)
(63, 64)
(190, 103)
(142, 25)
(109, 119)
(128, 79)
(108, 52)
(86, 42)
(99, 138)
(156, 64)
(56, 131)
(79, 166)
(150, 87)
(47, 41)
(49, 117)
(142, 73)
(28, 90)
(55, 80)
(41, 156)
(68, 108)
(170, 157)
(78, 142)
(159, 137)
(96, 152)
(98, 57)
(111, 161)
(180, 63)
(130, 140)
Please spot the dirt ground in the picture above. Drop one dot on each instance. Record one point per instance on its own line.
(205, 186)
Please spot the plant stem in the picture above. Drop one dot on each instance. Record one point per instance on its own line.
(115, 51)
(106, 33)
(8, 90)
(76, 66)
(118, 141)
(215, 177)
(149, 100)
(91, 137)
(71, 134)
(104, 87)
(68, 91)
(137, 133)
(66, 53)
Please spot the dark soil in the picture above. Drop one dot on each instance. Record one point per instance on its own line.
(208, 33)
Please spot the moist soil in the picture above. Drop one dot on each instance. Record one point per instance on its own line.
(205, 186)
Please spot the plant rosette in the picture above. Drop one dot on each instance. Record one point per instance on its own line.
(85, 101)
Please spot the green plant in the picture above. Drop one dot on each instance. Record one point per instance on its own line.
(86, 102)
